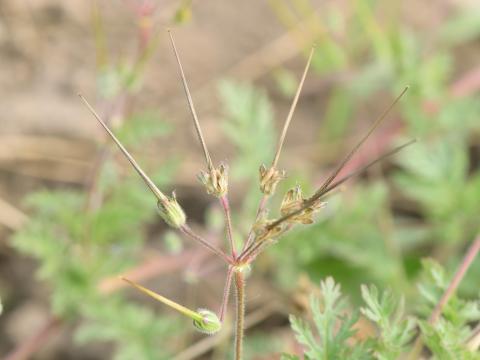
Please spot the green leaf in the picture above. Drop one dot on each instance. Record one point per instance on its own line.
(395, 331)
(136, 329)
(333, 325)
(458, 312)
(446, 341)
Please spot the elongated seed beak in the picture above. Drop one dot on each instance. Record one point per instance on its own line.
(180, 308)
(153, 188)
(326, 184)
(292, 109)
(204, 320)
(196, 122)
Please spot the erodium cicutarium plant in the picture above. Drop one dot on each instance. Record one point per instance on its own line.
(265, 231)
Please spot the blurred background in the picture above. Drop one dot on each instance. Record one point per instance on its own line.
(73, 214)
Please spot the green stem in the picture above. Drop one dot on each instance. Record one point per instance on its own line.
(239, 323)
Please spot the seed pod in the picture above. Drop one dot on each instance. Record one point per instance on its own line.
(171, 212)
(294, 201)
(209, 324)
(215, 180)
(269, 179)
(262, 231)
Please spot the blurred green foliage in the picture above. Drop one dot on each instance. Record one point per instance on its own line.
(249, 126)
(77, 249)
(81, 237)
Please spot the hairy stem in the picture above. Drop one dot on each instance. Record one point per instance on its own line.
(239, 322)
(246, 254)
(228, 224)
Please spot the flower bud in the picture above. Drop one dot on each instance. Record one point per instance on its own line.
(209, 324)
(171, 212)
(269, 179)
(215, 181)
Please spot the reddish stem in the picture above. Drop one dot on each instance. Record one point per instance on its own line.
(452, 287)
(185, 229)
(261, 208)
(36, 341)
(228, 224)
(457, 278)
(226, 294)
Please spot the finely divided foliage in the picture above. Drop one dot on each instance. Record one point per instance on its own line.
(77, 250)
(394, 330)
(451, 336)
(334, 335)
(333, 326)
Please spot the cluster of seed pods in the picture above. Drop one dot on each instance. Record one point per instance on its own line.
(295, 209)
